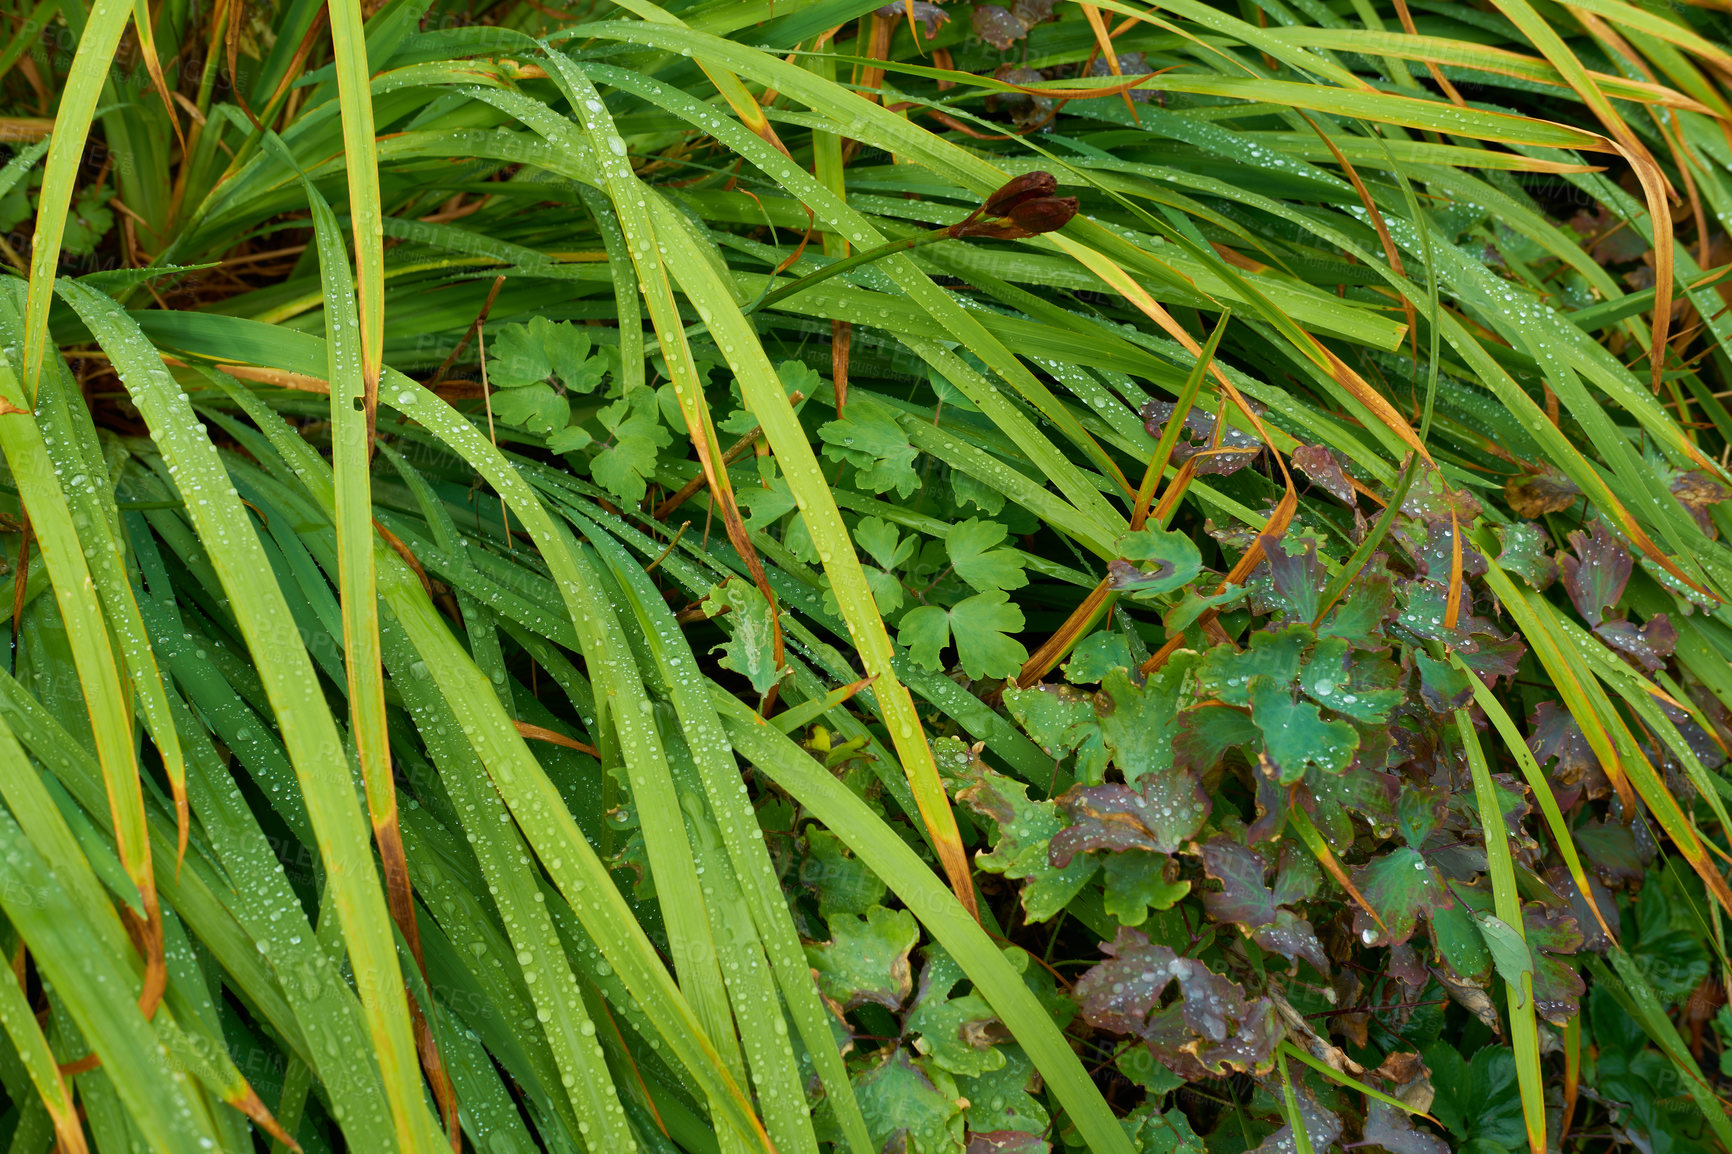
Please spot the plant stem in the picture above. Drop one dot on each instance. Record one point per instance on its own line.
(846, 264)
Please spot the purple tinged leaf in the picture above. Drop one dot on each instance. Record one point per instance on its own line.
(1558, 988)
(1245, 901)
(1553, 733)
(1393, 1130)
(1595, 575)
(1006, 1142)
(1236, 450)
(1430, 497)
(1431, 544)
(1212, 1028)
(1360, 616)
(1442, 686)
(1400, 885)
(1154, 560)
(1418, 811)
(1207, 732)
(1019, 849)
(1297, 877)
(1647, 645)
(1494, 657)
(1323, 466)
(1161, 817)
(1298, 579)
(1322, 1127)
(1593, 937)
(931, 16)
(1243, 898)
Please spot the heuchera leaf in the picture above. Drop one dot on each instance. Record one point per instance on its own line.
(1095, 655)
(975, 558)
(751, 651)
(1400, 885)
(1137, 881)
(1322, 1127)
(1360, 617)
(1137, 721)
(979, 625)
(1153, 561)
(1160, 817)
(1596, 573)
(635, 431)
(1553, 733)
(1296, 579)
(1196, 439)
(1273, 654)
(1207, 732)
(1558, 987)
(1524, 553)
(1456, 938)
(910, 1106)
(1247, 902)
(1648, 645)
(1393, 1130)
(1323, 466)
(1296, 736)
(1360, 686)
(843, 883)
(1442, 686)
(866, 959)
(870, 439)
(958, 1033)
(1210, 1029)
(1431, 544)
(1059, 719)
(1000, 1101)
(1019, 851)
(1157, 1132)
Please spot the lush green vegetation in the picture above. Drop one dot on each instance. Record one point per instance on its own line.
(736, 575)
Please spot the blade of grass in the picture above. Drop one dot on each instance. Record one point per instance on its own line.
(1506, 900)
(286, 672)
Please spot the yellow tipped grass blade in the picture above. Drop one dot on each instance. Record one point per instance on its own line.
(287, 675)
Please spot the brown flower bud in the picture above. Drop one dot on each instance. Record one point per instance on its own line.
(1029, 218)
(1028, 186)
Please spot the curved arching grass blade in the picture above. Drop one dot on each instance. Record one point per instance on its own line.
(911, 880)
(287, 674)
